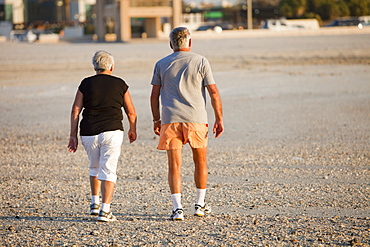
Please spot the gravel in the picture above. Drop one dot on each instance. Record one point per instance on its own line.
(292, 168)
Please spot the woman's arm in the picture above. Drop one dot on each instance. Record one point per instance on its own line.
(131, 116)
(75, 113)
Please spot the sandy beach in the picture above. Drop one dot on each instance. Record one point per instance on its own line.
(292, 168)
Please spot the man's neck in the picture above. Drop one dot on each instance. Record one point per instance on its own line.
(182, 49)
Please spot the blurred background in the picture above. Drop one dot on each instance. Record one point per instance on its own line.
(122, 20)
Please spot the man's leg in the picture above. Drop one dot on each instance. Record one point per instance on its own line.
(201, 169)
(175, 182)
(174, 170)
(200, 178)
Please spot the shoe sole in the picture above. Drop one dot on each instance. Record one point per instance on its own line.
(201, 215)
(105, 220)
(94, 213)
(178, 219)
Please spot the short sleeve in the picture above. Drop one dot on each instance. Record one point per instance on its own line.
(82, 86)
(156, 79)
(124, 86)
(207, 73)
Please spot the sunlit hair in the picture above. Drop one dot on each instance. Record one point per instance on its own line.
(180, 37)
(102, 61)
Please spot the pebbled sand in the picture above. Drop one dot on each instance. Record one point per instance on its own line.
(292, 168)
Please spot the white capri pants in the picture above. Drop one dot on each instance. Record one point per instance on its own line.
(103, 151)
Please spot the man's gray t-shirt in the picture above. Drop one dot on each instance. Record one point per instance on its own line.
(183, 76)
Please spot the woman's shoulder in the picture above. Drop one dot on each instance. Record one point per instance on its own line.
(116, 77)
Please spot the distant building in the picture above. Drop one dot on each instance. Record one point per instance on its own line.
(30, 11)
(115, 19)
(12, 11)
(192, 20)
(112, 19)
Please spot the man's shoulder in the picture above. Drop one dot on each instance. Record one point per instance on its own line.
(196, 57)
(165, 58)
(181, 54)
(192, 54)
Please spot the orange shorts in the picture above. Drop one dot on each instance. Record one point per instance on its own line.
(175, 135)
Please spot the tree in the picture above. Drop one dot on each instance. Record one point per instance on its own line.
(314, 5)
(359, 7)
(343, 8)
(292, 8)
(324, 9)
(329, 10)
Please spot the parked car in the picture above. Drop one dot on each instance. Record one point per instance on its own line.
(23, 35)
(346, 23)
(216, 28)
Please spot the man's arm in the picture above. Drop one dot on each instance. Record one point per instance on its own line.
(75, 113)
(218, 127)
(131, 116)
(154, 103)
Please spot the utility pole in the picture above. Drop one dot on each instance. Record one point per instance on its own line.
(249, 14)
(67, 8)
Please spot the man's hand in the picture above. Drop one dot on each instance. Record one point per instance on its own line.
(218, 128)
(157, 128)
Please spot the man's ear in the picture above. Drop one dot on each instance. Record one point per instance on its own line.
(171, 45)
(190, 43)
(111, 68)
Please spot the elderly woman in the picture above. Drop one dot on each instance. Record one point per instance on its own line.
(102, 97)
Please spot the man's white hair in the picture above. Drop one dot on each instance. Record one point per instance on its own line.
(102, 61)
(180, 37)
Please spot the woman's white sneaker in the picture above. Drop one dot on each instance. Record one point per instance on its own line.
(201, 211)
(177, 214)
(106, 217)
(94, 209)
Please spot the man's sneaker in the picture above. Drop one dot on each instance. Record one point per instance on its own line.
(201, 211)
(94, 209)
(106, 217)
(177, 214)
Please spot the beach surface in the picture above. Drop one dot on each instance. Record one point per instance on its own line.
(291, 169)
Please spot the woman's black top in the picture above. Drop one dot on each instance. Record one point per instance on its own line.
(102, 102)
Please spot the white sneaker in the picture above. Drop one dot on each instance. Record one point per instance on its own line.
(201, 211)
(177, 214)
(106, 217)
(94, 209)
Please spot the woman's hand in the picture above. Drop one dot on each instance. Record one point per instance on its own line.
(132, 136)
(73, 143)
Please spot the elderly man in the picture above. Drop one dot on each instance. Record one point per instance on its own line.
(180, 80)
(102, 96)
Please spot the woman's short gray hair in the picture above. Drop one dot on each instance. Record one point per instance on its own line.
(102, 61)
(180, 37)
